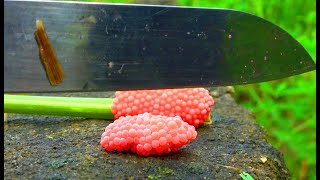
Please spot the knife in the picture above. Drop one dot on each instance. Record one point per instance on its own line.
(103, 46)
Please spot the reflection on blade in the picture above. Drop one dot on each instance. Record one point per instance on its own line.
(120, 47)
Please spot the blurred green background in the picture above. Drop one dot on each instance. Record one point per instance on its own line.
(286, 108)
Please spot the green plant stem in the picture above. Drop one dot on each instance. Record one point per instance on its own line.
(59, 106)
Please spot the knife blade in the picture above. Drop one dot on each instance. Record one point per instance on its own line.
(103, 46)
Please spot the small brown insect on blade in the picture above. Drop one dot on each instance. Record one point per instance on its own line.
(49, 59)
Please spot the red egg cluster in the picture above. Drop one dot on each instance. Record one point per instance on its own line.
(147, 134)
(191, 104)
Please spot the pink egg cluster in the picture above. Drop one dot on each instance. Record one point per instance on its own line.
(147, 134)
(191, 104)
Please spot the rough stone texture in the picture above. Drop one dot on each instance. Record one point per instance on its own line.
(47, 147)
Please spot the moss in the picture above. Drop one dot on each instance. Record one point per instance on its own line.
(32, 132)
(196, 168)
(58, 163)
(152, 176)
(162, 172)
(56, 176)
(55, 134)
(86, 159)
(166, 171)
(6, 126)
(90, 159)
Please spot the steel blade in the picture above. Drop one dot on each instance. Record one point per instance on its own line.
(119, 47)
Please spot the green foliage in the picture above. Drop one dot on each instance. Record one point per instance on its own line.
(286, 108)
(246, 176)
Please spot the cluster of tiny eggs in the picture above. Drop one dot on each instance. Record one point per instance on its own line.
(191, 104)
(147, 134)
